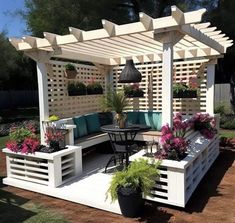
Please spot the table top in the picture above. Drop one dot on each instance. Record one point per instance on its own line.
(129, 128)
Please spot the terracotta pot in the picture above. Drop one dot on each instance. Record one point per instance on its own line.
(71, 74)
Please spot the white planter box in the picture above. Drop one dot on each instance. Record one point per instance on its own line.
(52, 169)
(179, 179)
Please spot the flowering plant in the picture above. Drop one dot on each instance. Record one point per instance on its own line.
(23, 139)
(205, 124)
(54, 137)
(133, 90)
(173, 143)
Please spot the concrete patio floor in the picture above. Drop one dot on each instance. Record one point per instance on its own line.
(213, 200)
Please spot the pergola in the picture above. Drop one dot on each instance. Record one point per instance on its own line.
(180, 36)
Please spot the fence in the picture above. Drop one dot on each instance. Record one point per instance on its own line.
(222, 93)
(14, 99)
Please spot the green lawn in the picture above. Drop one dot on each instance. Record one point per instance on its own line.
(3, 141)
(227, 133)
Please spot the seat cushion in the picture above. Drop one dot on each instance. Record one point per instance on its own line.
(157, 120)
(93, 123)
(152, 119)
(80, 122)
(133, 117)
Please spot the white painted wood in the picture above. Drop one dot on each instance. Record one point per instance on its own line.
(43, 96)
(51, 169)
(182, 177)
(210, 88)
(167, 81)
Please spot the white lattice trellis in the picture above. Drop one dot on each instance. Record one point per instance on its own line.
(67, 106)
(152, 85)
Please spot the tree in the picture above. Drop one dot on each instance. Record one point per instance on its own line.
(16, 71)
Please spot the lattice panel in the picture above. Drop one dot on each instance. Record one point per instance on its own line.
(67, 106)
(152, 85)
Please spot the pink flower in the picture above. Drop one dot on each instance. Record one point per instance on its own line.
(30, 145)
(193, 82)
(13, 146)
(166, 129)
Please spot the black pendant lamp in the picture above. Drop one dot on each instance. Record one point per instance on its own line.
(129, 74)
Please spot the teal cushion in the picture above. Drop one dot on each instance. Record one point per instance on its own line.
(157, 120)
(132, 117)
(93, 123)
(80, 122)
(142, 119)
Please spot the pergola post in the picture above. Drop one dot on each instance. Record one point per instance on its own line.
(210, 87)
(167, 81)
(169, 39)
(43, 96)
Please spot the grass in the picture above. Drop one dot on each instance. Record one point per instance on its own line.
(227, 133)
(3, 141)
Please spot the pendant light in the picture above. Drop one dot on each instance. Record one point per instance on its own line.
(129, 74)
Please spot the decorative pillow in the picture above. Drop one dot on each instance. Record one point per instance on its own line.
(93, 123)
(132, 117)
(142, 119)
(80, 122)
(157, 120)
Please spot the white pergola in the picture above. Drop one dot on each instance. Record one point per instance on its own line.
(180, 36)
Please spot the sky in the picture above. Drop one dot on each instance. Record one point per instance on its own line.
(14, 25)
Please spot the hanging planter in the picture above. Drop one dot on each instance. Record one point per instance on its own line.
(70, 71)
(133, 91)
(76, 88)
(181, 90)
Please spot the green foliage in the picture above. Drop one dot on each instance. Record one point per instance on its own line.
(70, 66)
(53, 118)
(76, 88)
(114, 101)
(139, 174)
(19, 134)
(94, 88)
(180, 87)
(223, 108)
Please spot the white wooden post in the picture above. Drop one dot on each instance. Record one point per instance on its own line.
(210, 88)
(167, 81)
(43, 96)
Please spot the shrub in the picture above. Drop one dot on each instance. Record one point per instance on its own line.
(76, 88)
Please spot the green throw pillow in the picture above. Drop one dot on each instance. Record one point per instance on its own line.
(93, 123)
(80, 122)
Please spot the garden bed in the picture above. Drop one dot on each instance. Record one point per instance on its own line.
(179, 179)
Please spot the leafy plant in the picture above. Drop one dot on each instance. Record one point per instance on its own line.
(139, 174)
(19, 134)
(133, 90)
(76, 88)
(94, 88)
(180, 87)
(53, 118)
(70, 66)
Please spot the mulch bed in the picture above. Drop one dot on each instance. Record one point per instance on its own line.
(212, 202)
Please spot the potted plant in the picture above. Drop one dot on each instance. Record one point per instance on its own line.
(173, 144)
(116, 101)
(23, 139)
(182, 90)
(133, 91)
(76, 88)
(55, 138)
(130, 185)
(70, 71)
(94, 88)
(205, 124)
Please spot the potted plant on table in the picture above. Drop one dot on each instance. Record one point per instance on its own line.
(130, 185)
(70, 71)
(116, 101)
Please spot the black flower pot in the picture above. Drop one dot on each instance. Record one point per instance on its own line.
(185, 94)
(130, 201)
(54, 145)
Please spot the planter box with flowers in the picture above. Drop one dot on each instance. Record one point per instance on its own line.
(186, 157)
(76, 88)
(133, 91)
(94, 87)
(182, 90)
(28, 161)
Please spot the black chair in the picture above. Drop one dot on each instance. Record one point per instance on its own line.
(123, 145)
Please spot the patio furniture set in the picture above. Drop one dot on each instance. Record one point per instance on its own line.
(174, 48)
